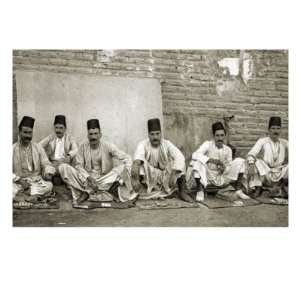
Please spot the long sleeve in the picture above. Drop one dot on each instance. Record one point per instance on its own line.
(201, 153)
(73, 147)
(45, 142)
(256, 148)
(228, 156)
(177, 156)
(286, 148)
(139, 153)
(79, 162)
(120, 155)
(46, 164)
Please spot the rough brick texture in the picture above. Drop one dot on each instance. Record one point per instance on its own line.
(192, 82)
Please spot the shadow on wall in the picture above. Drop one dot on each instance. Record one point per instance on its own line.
(189, 131)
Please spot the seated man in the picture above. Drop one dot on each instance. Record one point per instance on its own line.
(268, 161)
(32, 171)
(60, 147)
(94, 169)
(158, 166)
(212, 164)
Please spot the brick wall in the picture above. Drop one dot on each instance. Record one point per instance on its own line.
(194, 83)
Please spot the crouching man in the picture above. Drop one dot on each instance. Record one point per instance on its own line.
(158, 167)
(212, 165)
(268, 162)
(32, 171)
(94, 170)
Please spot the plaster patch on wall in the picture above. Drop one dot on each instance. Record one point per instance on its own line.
(240, 69)
(230, 65)
(247, 67)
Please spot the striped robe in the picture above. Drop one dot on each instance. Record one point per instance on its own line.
(33, 174)
(157, 166)
(76, 177)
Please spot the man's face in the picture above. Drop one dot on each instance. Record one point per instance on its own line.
(219, 137)
(59, 130)
(94, 135)
(274, 132)
(25, 135)
(154, 137)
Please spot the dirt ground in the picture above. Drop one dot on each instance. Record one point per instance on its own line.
(257, 216)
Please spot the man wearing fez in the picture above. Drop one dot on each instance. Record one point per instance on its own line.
(94, 170)
(212, 165)
(268, 161)
(158, 166)
(32, 171)
(60, 146)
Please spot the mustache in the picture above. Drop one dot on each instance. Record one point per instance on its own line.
(93, 140)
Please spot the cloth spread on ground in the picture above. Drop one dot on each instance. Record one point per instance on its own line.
(25, 201)
(226, 197)
(266, 198)
(168, 203)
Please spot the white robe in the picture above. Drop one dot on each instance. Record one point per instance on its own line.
(101, 170)
(31, 164)
(157, 165)
(271, 161)
(208, 172)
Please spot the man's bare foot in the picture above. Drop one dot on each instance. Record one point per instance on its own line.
(184, 196)
(84, 196)
(242, 195)
(257, 192)
(200, 196)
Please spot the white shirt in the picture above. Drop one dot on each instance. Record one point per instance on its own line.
(59, 148)
(209, 150)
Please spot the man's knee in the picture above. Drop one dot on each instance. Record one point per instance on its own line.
(239, 161)
(63, 169)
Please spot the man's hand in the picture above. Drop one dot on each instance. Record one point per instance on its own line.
(25, 185)
(48, 177)
(221, 167)
(92, 183)
(251, 169)
(135, 176)
(214, 161)
(63, 160)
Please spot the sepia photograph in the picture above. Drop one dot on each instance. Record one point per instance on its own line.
(149, 150)
(150, 138)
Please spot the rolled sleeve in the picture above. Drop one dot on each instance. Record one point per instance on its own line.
(177, 157)
(200, 154)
